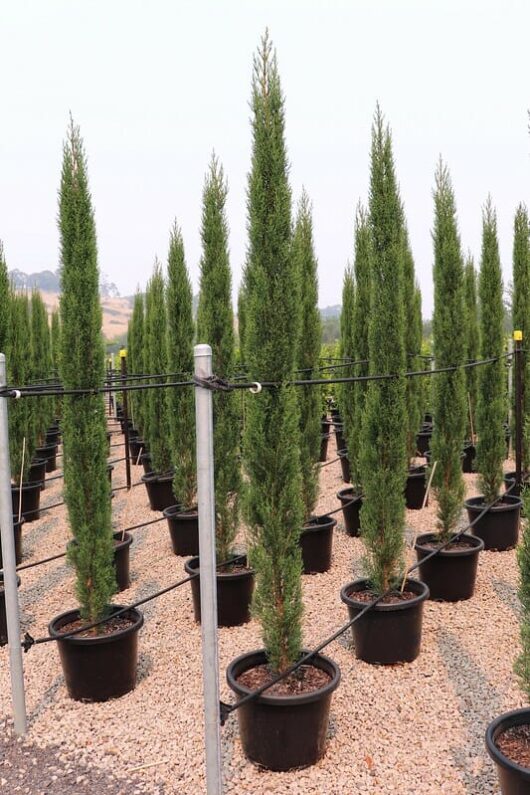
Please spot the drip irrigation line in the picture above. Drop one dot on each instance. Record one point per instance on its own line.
(227, 709)
(29, 641)
(327, 463)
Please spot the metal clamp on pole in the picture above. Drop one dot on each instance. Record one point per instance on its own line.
(519, 430)
(10, 581)
(208, 580)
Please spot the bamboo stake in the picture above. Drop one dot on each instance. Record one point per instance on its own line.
(425, 498)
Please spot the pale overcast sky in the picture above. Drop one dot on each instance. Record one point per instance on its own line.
(156, 85)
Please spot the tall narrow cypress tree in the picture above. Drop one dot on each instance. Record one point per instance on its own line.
(309, 398)
(156, 331)
(180, 402)
(87, 489)
(4, 300)
(412, 346)
(241, 317)
(522, 663)
(449, 338)
(346, 392)
(18, 374)
(472, 339)
(136, 354)
(41, 364)
(521, 305)
(274, 504)
(360, 351)
(215, 325)
(491, 404)
(383, 450)
(55, 335)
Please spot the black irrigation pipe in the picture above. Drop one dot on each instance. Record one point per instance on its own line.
(227, 709)
(29, 641)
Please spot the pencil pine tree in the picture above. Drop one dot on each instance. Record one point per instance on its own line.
(180, 401)
(310, 397)
(4, 300)
(521, 306)
(215, 326)
(449, 340)
(21, 428)
(491, 402)
(156, 344)
(472, 339)
(274, 505)
(346, 393)
(86, 483)
(383, 449)
(522, 663)
(136, 355)
(41, 364)
(412, 346)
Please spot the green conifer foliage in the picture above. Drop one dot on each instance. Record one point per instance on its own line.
(135, 355)
(449, 338)
(412, 347)
(472, 340)
(383, 450)
(21, 436)
(87, 489)
(241, 298)
(310, 398)
(55, 336)
(41, 364)
(346, 393)
(491, 403)
(4, 300)
(271, 438)
(522, 664)
(521, 305)
(180, 360)
(215, 326)
(360, 349)
(156, 343)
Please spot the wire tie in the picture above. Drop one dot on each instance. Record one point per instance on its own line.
(256, 389)
(28, 642)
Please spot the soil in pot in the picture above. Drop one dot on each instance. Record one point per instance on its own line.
(316, 541)
(351, 502)
(286, 729)
(3, 617)
(37, 472)
(49, 453)
(345, 465)
(508, 744)
(159, 490)
(499, 527)
(101, 666)
(235, 586)
(30, 501)
(17, 530)
(390, 632)
(415, 488)
(451, 574)
(183, 529)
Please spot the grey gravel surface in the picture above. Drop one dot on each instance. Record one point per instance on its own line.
(414, 728)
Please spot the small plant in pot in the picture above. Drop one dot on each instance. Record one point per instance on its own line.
(159, 481)
(182, 518)
(472, 343)
(316, 538)
(451, 573)
(25, 495)
(354, 329)
(99, 662)
(508, 736)
(499, 526)
(391, 631)
(286, 726)
(215, 324)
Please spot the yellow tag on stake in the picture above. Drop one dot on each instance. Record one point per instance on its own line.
(518, 336)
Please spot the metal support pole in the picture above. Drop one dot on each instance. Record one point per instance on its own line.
(123, 357)
(208, 581)
(10, 567)
(518, 362)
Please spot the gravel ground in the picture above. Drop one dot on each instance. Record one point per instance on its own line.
(410, 728)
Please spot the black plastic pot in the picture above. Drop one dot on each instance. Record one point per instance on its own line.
(3, 617)
(470, 452)
(121, 559)
(234, 594)
(17, 531)
(110, 469)
(183, 529)
(159, 490)
(283, 732)
(499, 527)
(37, 472)
(53, 436)
(30, 501)
(145, 459)
(513, 779)
(316, 541)
(339, 436)
(507, 437)
(49, 453)
(351, 503)
(345, 465)
(451, 574)
(415, 488)
(509, 481)
(324, 441)
(423, 440)
(101, 666)
(136, 448)
(388, 633)
(427, 419)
